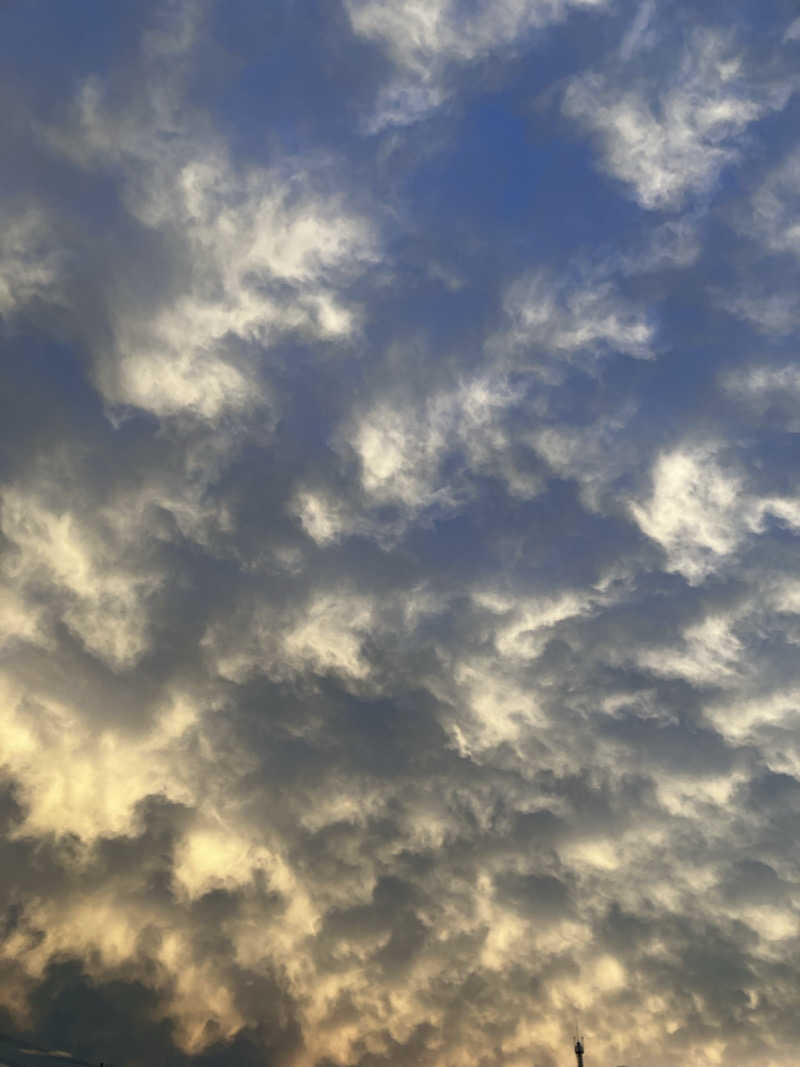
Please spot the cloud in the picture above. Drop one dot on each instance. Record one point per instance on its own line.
(774, 207)
(574, 322)
(394, 667)
(770, 312)
(31, 262)
(767, 392)
(710, 654)
(424, 39)
(104, 600)
(701, 513)
(697, 511)
(402, 446)
(671, 138)
(252, 254)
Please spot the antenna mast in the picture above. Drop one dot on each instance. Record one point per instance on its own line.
(579, 1050)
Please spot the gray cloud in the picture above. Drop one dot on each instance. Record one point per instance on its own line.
(398, 619)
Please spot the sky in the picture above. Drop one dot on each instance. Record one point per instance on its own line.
(399, 525)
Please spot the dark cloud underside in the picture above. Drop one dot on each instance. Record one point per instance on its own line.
(399, 514)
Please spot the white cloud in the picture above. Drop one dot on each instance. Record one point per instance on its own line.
(399, 450)
(417, 32)
(91, 563)
(595, 456)
(254, 253)
(785, 509)
(323, 518)
(402, 445)
(698, 511)
(549, 321)
(263, 252)
(20, 620)
(100, 582)
(424, 36)
(31, 262)
(326, 635)
(641, 33)
(330, 636)
(768, 390)
(69, 771)
(709, 653)
(775, 208)
(770, 312)
(528, 622)
(550, 326)
(702, 512)
(493, 701)
(750, 717)
(673, 141)
(411, 791)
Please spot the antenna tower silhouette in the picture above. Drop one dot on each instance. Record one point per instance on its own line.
(579, 1050)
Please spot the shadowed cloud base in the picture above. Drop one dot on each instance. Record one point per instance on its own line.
(399, 516)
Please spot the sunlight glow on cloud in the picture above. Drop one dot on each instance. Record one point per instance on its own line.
(399, 532)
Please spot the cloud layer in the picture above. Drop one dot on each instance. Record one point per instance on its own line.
(399, 518)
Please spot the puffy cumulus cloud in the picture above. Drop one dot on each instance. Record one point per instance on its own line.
(393, 669)
(668, 137)
(424, 39)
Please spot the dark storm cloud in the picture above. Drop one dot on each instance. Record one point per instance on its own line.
(398, 514)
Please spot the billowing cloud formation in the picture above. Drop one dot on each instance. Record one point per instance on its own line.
(399, 523)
